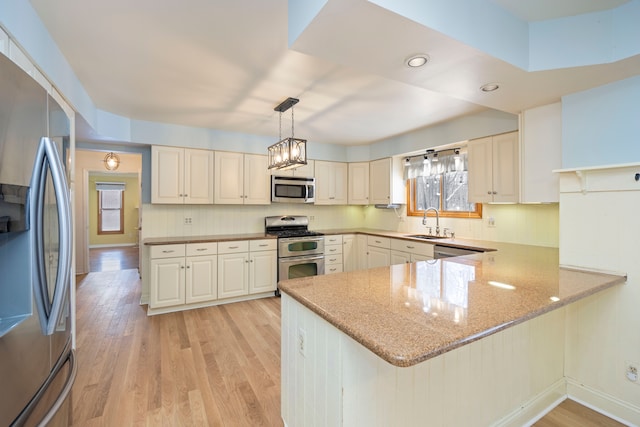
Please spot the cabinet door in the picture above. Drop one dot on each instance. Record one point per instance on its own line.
(398, 257)
(198, 177)
(167, 282)
(257, 180)
(167, 175)
(324, 183)
(229, 178)
(263, 271)
(202, 278)
(340, 183)
(349, 253)
(233, 275)
(359, 183)
(331, 183)
(378, 257)
(380, 181)
(361, 252)
(480, 165)
(506, 168)
(540, 153)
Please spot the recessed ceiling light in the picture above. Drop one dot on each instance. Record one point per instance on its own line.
(490, 87)
(417, 60)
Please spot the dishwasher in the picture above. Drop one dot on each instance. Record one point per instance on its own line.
(440, 251)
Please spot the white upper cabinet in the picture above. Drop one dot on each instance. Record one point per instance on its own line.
(305, 171)
(494, 169)
(241, 179)
(181, 175)
(331, 183)
(541, 148)
(386, 182)
(359, 183)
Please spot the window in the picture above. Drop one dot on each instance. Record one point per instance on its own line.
(110, 207)
(440, 180)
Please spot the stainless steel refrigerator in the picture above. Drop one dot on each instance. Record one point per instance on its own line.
(37, 366)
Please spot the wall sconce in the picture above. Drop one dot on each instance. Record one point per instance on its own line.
(111, 161)
(287, 153)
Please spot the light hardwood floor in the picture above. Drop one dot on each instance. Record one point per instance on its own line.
(217, 366)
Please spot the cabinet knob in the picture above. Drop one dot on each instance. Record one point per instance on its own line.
(495, 192)
(186, 195)
(488, 192)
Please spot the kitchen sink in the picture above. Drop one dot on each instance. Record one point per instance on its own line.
(425, 236)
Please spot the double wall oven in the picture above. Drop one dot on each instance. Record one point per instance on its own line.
(300, 251)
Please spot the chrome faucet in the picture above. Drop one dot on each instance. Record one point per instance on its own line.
(424, 219)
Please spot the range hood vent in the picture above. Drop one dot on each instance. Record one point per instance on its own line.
(387, 206)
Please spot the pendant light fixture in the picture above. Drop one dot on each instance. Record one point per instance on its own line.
(111, 161)
(291, 152)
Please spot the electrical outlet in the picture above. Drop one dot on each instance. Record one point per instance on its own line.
(188, 221)
(491, 221)
(302, 342)
(312, 218)
(631, 371)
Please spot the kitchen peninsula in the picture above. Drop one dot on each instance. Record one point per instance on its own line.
(473, 340)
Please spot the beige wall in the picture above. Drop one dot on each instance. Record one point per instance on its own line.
(131, 202)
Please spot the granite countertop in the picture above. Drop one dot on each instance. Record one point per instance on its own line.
(150, 241)
(480, 245)
(409, 313)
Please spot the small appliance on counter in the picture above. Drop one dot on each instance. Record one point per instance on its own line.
(300, 251)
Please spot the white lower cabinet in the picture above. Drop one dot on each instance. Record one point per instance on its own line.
(247, 267)
(349, 252)
(263, 266)
(378, 251)
(406, 251)
(333, 254)
(182, 274)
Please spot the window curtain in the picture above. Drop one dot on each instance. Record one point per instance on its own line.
(104, 186)
(446, 163)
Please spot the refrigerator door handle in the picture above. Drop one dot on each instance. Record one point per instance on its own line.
(73, 370)
(47, 157)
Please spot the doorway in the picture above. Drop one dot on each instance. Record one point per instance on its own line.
(113, 216)
(115, 251)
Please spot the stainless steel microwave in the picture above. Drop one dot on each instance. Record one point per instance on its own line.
(292, 189)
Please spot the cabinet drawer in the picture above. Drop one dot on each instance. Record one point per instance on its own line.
(331, 269)
(233, 247)
(263, 245)
(196, 249)
(333, 240)
(332, 259)
(167, 251)
(419, 248)
(333, 249)
(380, 242)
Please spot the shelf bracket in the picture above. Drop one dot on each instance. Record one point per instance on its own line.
(582, 176)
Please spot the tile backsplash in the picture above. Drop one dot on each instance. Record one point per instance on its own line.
(527, 224)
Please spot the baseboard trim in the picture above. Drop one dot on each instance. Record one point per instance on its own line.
(113, 245)
(175, 308)
(536, 407)
(608, 405)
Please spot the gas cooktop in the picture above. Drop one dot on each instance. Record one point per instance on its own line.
(289, 226)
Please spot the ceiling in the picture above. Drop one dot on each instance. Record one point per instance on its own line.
(226, 64)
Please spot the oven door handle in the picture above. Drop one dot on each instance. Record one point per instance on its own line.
(302, 258)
